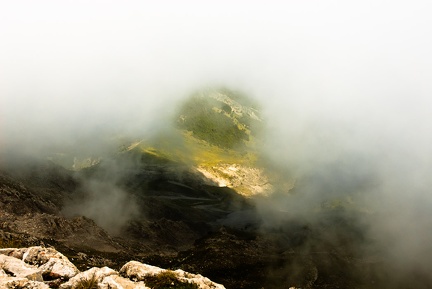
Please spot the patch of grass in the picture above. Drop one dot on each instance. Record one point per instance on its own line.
(209, 130)
(167, 279)
(192, 151)
(212, 125)
(205, 154)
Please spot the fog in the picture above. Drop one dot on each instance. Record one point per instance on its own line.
(104, 202)
(345, 89)
(74, 67)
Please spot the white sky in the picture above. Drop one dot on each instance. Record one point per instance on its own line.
(353, 62)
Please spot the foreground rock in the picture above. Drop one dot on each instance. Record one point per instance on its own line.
(16, 282)
(40, 268)
(18, 268)
(140, 272)
(91, 276)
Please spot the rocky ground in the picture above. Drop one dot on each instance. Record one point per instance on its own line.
(183, 224)
(39, 268)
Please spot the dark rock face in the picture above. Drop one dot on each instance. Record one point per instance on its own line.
(28, 209)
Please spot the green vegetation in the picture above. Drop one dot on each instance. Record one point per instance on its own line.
(211, 127)
(207, 119)
(167, 279)
(205, 154)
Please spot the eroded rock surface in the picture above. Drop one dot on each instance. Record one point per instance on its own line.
(24, 283)
(40, 268)
(91, 276)
(140, 272)
(19, 268)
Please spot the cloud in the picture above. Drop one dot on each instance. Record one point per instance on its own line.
(345, 86)
(106, 203)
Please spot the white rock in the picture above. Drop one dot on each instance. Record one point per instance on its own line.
(16, 282)
(118, 282)
(94, 274)
(201, 281)
(137, 271)
(39, 255)
(13, 252)
(19, 268)
(57, 268)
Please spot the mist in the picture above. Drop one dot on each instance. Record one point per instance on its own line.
(106, 203)
(345, 90)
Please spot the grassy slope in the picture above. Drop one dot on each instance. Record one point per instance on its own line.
(207, 132)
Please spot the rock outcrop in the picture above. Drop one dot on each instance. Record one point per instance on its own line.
(40, 268)
(19, 268)
(139, 272)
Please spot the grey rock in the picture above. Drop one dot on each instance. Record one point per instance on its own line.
(22, 283)
(20, 269)
(93, 275)
(13, 252)
(59, 268)
(137, 271)
(39, 262)
(201, 281)
(118, 282)
(39, 255)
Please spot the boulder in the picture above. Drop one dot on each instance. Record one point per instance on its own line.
(23, 283)
(58, 268)
(91, 276)
(201, 281)
(13, 252)
(137, 271)
(20, 269)
(38, 255)
(52, 263)
(118, 282)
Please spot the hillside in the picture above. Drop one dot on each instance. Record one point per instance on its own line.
(194, 197)
(223, 118)
(218, 133)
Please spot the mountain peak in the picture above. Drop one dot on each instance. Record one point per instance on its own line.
(221, 117)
